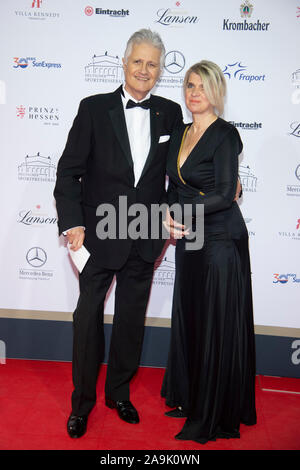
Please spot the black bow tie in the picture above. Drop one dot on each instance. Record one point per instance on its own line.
(143, 104)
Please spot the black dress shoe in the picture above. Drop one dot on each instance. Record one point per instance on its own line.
(176, 413)
(76, 425)
(125, 409)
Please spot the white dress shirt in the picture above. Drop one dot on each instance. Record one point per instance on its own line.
(138, 128)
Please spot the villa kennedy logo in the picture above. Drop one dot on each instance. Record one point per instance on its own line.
(176, 17)
(89, 11)
(292, 232)
(237, 71)
(246, 10)
(37, 10)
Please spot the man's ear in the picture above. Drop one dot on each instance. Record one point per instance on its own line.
(124, 63)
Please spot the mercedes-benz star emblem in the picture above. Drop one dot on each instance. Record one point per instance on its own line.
(174, 62)
(297, 172)
(36, 257)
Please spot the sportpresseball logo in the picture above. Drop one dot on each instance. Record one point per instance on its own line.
(37, 168)
(104, 68)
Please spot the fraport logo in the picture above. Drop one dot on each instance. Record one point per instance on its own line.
(237, 71)
(24, 62)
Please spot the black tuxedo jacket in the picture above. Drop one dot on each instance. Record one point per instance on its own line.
(96, 167)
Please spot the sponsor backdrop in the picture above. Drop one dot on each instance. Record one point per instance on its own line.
(54, 53)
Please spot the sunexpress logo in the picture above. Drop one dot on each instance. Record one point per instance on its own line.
(24, 62)
(237, 71)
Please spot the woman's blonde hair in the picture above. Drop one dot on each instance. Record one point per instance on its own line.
(213, 80)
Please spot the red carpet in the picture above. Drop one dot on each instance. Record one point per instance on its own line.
(35, 404)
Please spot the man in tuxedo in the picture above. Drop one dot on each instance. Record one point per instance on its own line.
(116, 147)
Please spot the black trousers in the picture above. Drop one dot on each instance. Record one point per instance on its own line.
(133, 284)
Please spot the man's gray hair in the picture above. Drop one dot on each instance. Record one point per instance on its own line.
(150, 37)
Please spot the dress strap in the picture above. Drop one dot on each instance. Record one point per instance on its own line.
(178, 158)
(179, 153)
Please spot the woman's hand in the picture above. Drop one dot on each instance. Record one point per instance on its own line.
(175, 229)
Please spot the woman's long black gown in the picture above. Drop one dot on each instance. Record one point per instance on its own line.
(211, 365)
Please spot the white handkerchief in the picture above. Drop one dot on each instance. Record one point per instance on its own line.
(79, 257)
(163, 138)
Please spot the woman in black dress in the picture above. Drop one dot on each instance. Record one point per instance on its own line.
(210, 376)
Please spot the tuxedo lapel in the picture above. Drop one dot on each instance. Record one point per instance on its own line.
(156, 119)
(117, 116)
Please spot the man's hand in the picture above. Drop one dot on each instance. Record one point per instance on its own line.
(75, 237)
(175, 229)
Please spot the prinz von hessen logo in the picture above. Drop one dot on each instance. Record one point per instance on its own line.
(246, 9)
(47, 115)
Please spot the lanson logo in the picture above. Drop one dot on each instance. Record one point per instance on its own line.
(168, 17)
(236, 71)
(35, 217)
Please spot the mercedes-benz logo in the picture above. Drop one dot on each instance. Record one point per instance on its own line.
(36, 257)
(297, 172)
(174, 62)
